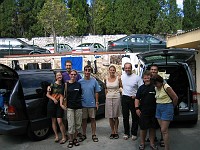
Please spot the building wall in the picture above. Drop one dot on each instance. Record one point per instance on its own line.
(74, 41)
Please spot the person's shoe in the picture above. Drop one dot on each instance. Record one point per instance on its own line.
(141, 147)
(112, 136)
(125, 137)
(154, 147)
(134, 137)
(116, 136)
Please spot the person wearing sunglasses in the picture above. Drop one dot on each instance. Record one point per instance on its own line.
(74, 108)
(90, 101)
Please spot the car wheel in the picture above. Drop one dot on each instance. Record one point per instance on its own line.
(127, 50)
(38, 135)
(32, 53)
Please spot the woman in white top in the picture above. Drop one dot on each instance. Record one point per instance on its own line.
(113, 100)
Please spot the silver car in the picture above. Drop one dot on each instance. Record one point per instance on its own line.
(60, 48)
(88, 47)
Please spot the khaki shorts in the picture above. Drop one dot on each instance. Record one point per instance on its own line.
(74, 118)
(91, 112)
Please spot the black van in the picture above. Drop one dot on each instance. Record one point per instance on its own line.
(23, 102)
(178, 68)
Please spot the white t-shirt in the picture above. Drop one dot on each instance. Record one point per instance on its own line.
(130, 84)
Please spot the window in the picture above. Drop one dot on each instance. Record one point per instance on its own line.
(150, 39)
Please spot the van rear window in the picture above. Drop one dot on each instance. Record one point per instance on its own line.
(31, 82)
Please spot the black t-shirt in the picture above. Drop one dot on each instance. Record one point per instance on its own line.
(74, 93)
(146, 95)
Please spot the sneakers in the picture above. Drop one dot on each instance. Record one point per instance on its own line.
(134, 137)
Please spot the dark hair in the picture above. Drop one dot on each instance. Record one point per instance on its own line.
(146, 73)
(68, 61)
(157, 78)
(74, 71)
(56, 72)
(87, 66)
(154, 65)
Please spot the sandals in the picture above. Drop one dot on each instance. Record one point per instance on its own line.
(153, 147)
(116, 136)
(141, 147)
(70, 145)
(94, 138)
(82, 138)
(76, 143)
(63, 141)
(56, 140)
(112, 136)
(162, 144)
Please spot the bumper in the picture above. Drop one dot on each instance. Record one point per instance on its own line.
(186, 116)
(13, 127)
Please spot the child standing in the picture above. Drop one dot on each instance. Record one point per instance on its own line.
(145, 105)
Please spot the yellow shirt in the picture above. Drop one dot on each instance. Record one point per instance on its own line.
(161, 96)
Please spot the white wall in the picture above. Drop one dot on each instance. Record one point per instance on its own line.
(74, 41)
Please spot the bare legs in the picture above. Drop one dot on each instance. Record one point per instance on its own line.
(62, 128)
(114, 123)
(164, 125)
(61, 125)
(143, 134)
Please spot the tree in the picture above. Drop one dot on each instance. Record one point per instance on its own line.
(169, 18)
(8, 19)
(80, 11)
(57, 20)
(190, 14)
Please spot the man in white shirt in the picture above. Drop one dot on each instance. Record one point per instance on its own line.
(130, 82)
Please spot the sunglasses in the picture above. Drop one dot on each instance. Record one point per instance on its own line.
(73, 74)
(88, 70)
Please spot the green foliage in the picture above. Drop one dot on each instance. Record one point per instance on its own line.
(169, 18)
(190, 14)
(80, 11)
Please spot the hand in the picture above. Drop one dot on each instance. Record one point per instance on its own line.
(55, 101)
(138, 112)
(63, 107)
(97, 106)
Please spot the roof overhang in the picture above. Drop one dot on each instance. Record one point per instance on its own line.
(189, 39)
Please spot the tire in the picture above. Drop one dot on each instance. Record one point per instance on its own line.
(38, 135)
(32, 53)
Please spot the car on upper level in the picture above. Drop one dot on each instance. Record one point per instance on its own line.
(88, 47)
(13, 46)
(60, 48)
(136, 43)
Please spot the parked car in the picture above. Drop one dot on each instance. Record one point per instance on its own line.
(175, 69)
(89, 47)
(13, 46)
(136, 43)
(23, 102)
(60, 48)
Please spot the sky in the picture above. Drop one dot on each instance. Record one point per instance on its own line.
(180, 3)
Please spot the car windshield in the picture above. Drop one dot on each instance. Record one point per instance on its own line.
(85, 45)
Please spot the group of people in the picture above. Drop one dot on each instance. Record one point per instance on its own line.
(72, 99)
(149, 99)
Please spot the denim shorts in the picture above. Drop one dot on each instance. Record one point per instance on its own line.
(165, 111)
